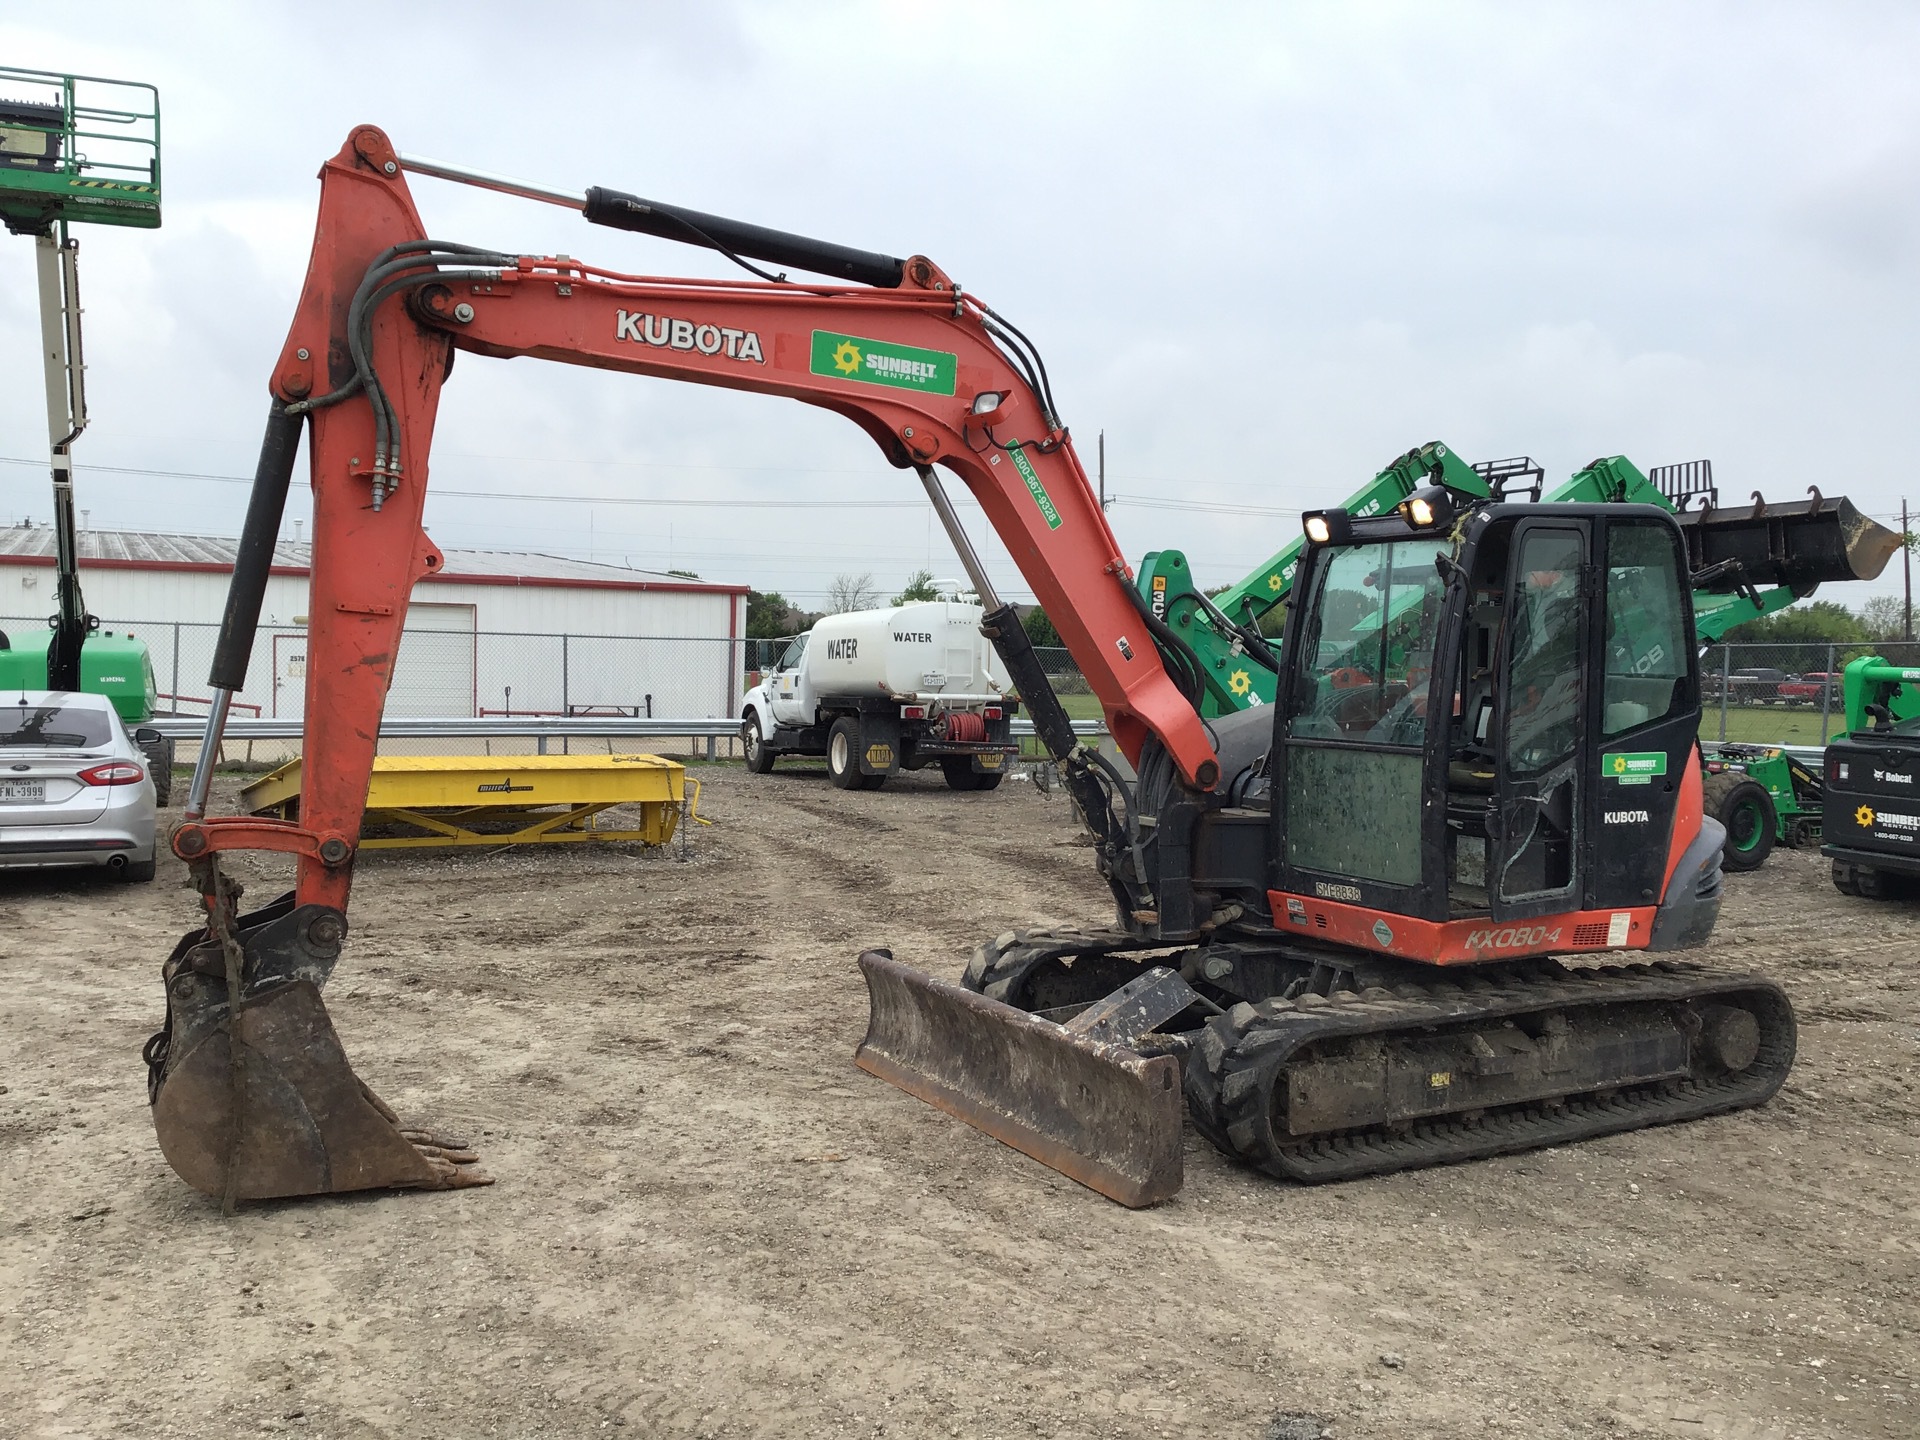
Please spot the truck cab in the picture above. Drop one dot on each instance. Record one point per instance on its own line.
(789, 698)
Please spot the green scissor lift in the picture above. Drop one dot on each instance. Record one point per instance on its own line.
(77, 149)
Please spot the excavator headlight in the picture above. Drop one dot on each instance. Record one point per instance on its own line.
(1427, 508)
(992, 407)
(1327, 527)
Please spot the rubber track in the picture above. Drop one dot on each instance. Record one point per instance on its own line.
(1234, 1066)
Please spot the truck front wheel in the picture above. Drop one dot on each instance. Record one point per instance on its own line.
(759, 757)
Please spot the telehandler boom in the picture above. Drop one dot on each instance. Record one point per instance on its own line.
(1744, 570)
(1466, 769)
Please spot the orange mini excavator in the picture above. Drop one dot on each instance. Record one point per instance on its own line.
(1374, 925)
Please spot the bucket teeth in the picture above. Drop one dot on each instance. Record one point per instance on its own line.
(263, 1103)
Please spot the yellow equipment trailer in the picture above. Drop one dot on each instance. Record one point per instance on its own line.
(501, 799)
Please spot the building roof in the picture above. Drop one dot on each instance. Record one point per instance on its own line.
(148, 550)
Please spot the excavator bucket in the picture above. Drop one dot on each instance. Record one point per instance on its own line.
(259, 1101)
(1096, 1110)
(1801, 543)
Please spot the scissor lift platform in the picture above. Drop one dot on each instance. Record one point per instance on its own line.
(501, 799)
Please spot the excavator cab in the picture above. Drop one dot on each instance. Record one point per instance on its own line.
(1487, 728)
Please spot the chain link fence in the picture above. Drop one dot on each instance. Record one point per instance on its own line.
(1771, 694)
(1783, 694)
(451, 672)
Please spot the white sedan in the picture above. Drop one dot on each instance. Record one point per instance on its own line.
(74, 787)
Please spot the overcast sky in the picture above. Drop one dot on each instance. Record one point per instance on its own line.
(1264, 248)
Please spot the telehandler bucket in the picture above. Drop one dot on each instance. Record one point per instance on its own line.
(1096, 1110)
(261, 1102)
(1801, 543)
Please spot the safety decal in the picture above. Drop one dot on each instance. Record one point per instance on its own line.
(881, 362)
(1383, 932)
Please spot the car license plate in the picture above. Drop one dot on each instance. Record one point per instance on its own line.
(27, 791)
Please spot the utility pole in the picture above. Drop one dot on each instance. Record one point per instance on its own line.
(1906, 564)
(1103, 473)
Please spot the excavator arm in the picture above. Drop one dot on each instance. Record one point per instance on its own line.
(252, 1093)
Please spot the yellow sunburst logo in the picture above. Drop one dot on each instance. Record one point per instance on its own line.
(1864, 815)
(846, 357)
(1619, 764)
(1274, 582)
(1240, 682)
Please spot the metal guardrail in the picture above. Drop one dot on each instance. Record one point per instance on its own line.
(190, 727)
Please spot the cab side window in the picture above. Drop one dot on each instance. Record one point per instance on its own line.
(1647, 629)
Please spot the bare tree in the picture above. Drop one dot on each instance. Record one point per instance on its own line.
(852, 592)
(1885, 617)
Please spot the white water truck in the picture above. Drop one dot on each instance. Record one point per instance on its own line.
(881, 691)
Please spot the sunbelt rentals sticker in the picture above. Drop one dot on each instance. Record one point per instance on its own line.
(881, 362)
(1634, 767)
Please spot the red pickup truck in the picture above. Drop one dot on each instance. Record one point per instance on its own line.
(1808, 689)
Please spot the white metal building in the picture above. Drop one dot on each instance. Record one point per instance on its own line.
(491, 631)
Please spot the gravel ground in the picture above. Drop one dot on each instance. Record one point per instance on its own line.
(708, 1222)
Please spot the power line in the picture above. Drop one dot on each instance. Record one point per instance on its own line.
(441, 491)
(1143, 502)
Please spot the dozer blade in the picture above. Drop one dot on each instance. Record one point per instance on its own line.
(1098, 1112)
(1801, 543)
(264, 1104)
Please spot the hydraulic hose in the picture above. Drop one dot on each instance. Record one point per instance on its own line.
(1182, 664)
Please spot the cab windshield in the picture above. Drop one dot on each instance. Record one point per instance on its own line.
(1368, 650)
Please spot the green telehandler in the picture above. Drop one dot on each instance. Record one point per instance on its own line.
(1748, 561)
(77, 149)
